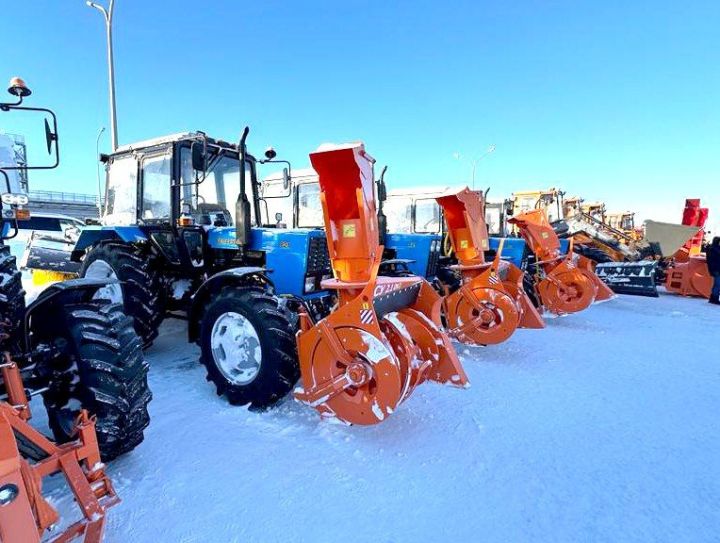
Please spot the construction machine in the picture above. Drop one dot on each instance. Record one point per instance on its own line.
(80, 354)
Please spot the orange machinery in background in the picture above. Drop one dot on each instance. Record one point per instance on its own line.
(490, 303)
(564, 283)
(688, 274)
(384, 338)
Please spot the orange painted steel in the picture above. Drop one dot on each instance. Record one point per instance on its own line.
(689, 276)
(26, 515)
(490, 303)
(565, 283)
(363, 360)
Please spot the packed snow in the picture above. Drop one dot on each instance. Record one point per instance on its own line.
(602, 427)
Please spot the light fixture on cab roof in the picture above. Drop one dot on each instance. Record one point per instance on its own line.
(19, 88)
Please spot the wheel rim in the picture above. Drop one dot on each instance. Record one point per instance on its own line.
(99, 269)
(236, 348)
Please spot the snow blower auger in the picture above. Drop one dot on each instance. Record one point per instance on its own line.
(565, 283)
(26, 457)
(384, 337)
(490, 302)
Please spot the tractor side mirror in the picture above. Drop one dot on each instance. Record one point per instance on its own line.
(382, 191)
(50, 137)
(198, 150)
(286, 179)
(509, 208)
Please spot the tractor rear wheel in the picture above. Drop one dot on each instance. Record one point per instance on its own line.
(102, 369)
(12, 301)
(141, 291)
(248, 347)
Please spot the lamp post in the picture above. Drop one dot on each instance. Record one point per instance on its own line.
(474, 162)
(97, 155)
(108, 15)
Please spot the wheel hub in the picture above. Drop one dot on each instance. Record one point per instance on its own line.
(236, 348)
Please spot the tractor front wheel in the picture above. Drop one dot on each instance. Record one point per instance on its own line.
(141, 291)
(248, 347)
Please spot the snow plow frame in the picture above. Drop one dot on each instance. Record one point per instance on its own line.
(490, 303)
(25, 514)
(384, 338)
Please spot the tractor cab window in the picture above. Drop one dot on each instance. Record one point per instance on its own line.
(121, 204)
(310, 213)
(398, 210)
(427, 216)
(212, 199)
(628, 222)
(493, 219)
(156, 206)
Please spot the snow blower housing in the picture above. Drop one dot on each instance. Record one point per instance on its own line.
(384, 338)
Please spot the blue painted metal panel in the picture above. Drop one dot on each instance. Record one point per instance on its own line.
(413, 247)
(285, 251)
(90, 235)
(513, 249)
(564, 246)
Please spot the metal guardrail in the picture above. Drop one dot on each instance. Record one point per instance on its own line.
(65, 197)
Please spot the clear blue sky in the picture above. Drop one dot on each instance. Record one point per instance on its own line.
(612, 100)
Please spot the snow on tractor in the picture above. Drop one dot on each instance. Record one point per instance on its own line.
(246, 285)
(81, 355)
(564, 283)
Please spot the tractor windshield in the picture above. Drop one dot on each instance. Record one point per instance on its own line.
(427, 216)
(213, 198)
(310, 213)
(398, 210)
(121, 202)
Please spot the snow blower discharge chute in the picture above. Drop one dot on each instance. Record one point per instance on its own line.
(384, 338)
(565, 283)
(490, 303)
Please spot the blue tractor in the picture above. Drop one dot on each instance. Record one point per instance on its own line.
(187, 234)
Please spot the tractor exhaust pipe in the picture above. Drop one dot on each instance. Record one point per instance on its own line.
(242, 205)
(382, 196)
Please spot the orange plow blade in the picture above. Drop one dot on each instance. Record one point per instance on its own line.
(364, 359)
(565, 283)
(490, 303)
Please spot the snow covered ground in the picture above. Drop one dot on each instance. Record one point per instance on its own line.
(603, 427)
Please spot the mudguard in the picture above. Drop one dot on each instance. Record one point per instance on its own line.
(241, 276)
(91, 235)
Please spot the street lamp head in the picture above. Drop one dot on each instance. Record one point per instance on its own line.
(18, 88)
(491, 149)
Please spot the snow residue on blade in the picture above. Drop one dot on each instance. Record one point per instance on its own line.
(394, 319)
(377, 410)
(376, 349)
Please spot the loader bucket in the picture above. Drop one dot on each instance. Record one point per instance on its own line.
(363, 360)
(26, 457)
(634, 278)
(565, 284)
(690, 278)
(490, 303)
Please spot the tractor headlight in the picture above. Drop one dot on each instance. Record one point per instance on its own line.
(309, 284)
(14, 199)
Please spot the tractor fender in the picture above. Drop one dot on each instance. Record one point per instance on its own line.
(242, 276)
(91, 235)
(62, 293)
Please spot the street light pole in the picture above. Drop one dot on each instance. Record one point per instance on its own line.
(108, 15)
(475, 161)
(97, 156)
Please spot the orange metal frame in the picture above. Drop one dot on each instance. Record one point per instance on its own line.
(384, 338)
(565, 283)
(26, 517)
(490, 303)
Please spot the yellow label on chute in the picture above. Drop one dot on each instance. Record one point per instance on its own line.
(463, 244)
(348, 230)
(484, 244)
(545, 235)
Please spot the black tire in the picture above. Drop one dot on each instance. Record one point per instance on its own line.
(102, 371)
(12, 301)
(142, 289)
(279, 369)
(594, 254)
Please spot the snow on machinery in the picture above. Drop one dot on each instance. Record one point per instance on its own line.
(81, 355)
(486, 302)
(565, 283)
(384, 338)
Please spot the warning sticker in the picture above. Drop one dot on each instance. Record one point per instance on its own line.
(484, 244)
(545, 235)
(348, 231)
(463, 244)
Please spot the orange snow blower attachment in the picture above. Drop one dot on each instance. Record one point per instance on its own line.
(26, 456)
(490, 303)
(565, 283)
(384, 338)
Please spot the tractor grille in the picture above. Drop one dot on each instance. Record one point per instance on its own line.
(318, 261)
